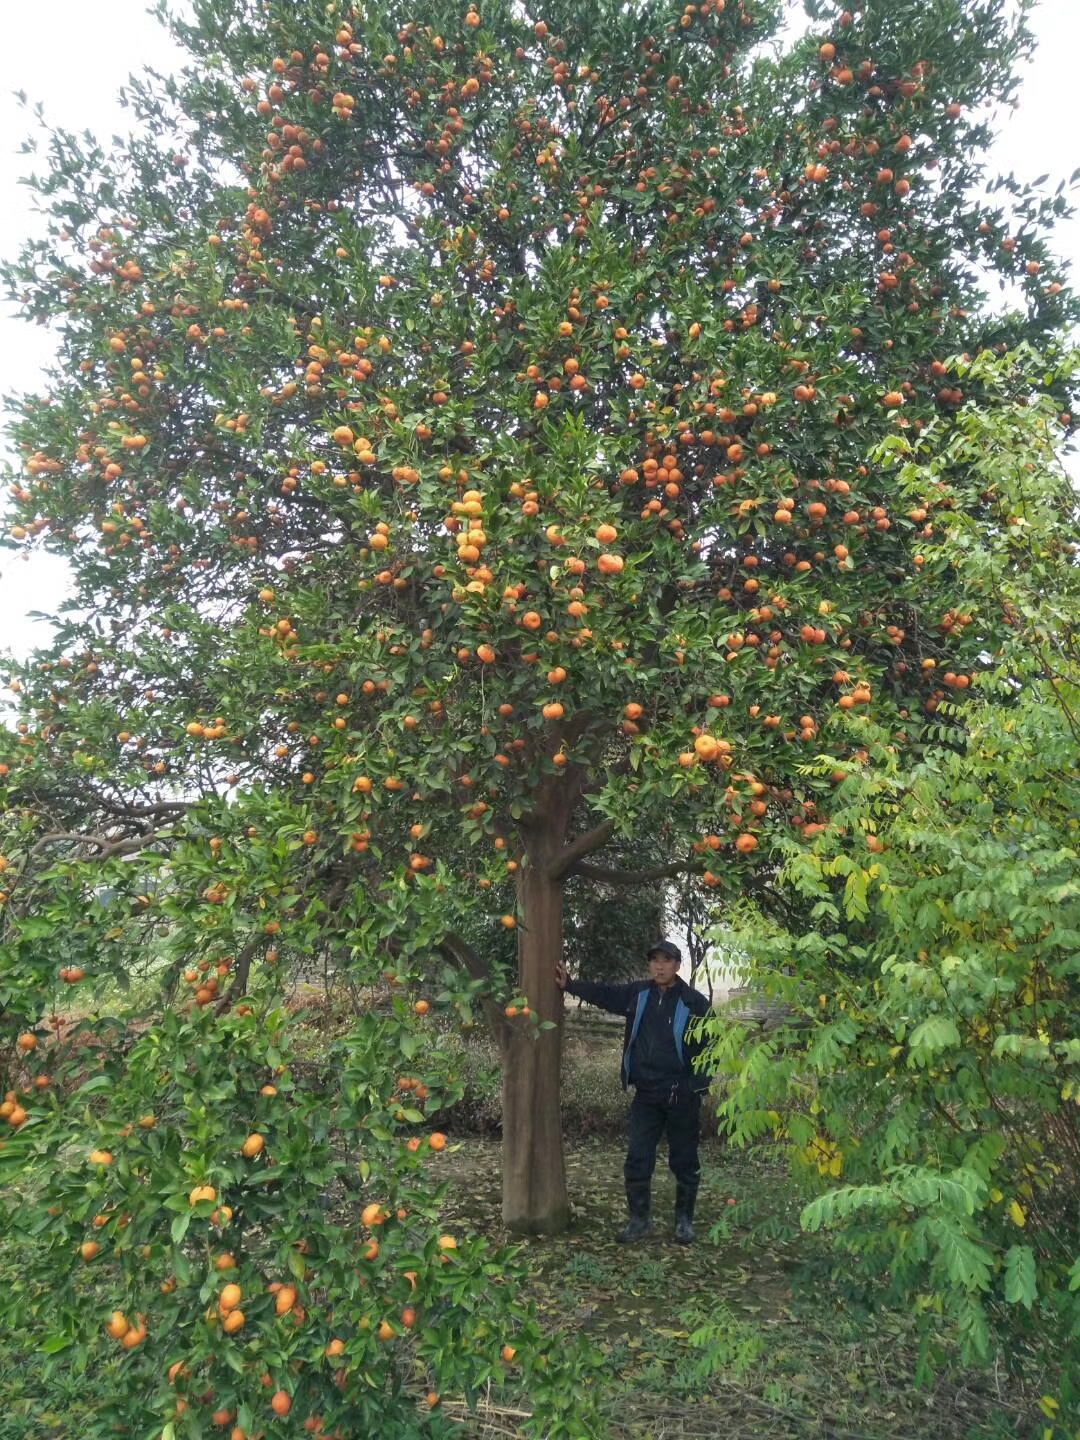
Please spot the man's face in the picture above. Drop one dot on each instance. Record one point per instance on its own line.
(662, 968)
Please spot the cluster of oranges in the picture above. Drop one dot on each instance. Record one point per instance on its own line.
(207, 975)
(130, 1336)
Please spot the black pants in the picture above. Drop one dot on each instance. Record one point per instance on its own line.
(677, 1111)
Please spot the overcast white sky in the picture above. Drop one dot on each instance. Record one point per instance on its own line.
(74, 56)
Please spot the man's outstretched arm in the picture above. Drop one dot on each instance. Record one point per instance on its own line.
(618, 999)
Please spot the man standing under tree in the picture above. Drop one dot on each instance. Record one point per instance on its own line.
(658, 1060)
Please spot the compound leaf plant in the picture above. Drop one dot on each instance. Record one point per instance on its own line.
(929, 1085)
(462, 439)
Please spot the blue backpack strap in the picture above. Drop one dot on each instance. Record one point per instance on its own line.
(682, 1019)
(642, 1001)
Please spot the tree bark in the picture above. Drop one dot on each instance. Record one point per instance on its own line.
(534, 1169)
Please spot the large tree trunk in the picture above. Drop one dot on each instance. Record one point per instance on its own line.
(534, 1171)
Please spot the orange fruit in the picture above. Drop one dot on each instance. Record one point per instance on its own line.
(118, 1325)
(252, 1146)
(233, 1322)
(373, 1215)
(89, 1249)
(706, 747)
(437, 1141)
(508, 1353)
(281, 1403)
(230, 1297)
(27, 1042)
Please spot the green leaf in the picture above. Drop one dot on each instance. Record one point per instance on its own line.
(966, 1262)
(1020, 1285)
(936, 1033)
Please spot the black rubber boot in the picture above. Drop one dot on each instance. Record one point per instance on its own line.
(639, 1225)
(685, 1199)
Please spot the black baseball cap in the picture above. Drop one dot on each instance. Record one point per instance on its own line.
(667, 949)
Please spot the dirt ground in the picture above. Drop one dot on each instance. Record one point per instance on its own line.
(749, 1333)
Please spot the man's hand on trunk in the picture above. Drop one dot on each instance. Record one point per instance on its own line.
(561, 977)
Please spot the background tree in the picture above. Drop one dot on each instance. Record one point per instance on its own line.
(463, 429)
(607, 929)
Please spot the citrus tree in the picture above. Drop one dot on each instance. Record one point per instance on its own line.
(932, 1079)
(463, 440)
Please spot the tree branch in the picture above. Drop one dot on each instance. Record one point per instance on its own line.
(460, 953)
(127, 845)
(240, 975)
(594, 839)
(629, 877)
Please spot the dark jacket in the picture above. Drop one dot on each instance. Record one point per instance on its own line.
(646, 1026)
